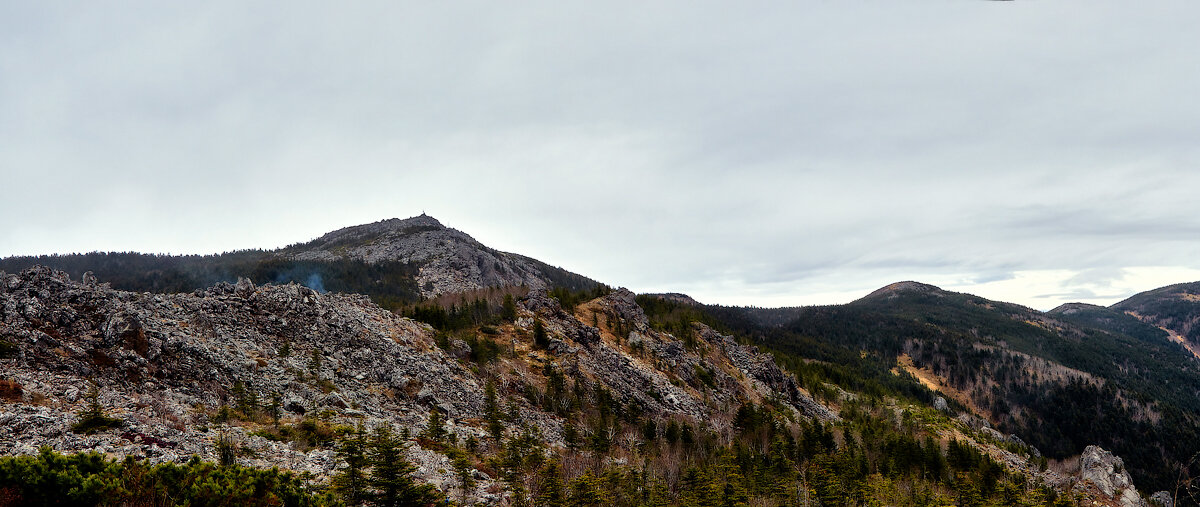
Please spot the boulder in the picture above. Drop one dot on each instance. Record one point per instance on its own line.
(1103, 473)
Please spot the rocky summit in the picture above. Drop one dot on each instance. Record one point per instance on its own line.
(450, 260)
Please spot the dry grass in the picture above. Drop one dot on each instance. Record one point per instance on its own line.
(935, 383)
(10, 391)
(1175, 337)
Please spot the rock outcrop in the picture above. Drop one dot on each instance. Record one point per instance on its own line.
(1103, 476)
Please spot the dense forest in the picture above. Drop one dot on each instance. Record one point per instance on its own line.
(1124, 387)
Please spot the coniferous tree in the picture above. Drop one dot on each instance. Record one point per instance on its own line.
(698, 488)
(391, 473)
(585, 492)
(552, 494)
(93, 419)
(508, 310)
(491, 411)
(436, 430)
(352, 481)
(540, 339)
(463, 471)
(276, 405)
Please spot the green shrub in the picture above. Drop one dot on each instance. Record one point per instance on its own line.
(8, 349)
(308, 433)
(93, 419)
(91, 479)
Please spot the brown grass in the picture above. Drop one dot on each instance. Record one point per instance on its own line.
(1175, 337)
(10, 391)
(935, 383)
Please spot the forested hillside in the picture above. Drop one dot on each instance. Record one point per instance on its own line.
(1059, 381)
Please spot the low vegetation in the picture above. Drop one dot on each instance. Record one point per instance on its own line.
(93, 419)
(92, 479)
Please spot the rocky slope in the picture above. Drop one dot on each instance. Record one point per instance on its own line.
(165, 365)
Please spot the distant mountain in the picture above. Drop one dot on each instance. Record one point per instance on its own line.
(1062, 380)
(1109, 319)
(1174, 307)
(898, 289)
(393, 261)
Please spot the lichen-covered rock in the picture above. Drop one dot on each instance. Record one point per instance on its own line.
(1103, 473)
(1162, 499)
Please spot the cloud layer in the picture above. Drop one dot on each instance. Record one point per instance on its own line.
(746, 154)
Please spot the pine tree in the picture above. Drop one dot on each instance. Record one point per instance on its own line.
(276, 404)
(540, 339)
(391, 473)
(734, 493)
(585, 492)
(552, 494)
(509, 311)
(463, 471)
(93, 419)
(699, 488)
(351, 483)
(491, 411)
(436, 430)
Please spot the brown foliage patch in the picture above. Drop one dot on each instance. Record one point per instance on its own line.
(99, 358)
(10, 390)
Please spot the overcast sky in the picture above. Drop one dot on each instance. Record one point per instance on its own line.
(773, 154)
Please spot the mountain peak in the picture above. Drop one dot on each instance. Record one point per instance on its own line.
(676, 297)
(421, 220)
(1071, 308)
(390, 226)
(446, 260)
(908, 286)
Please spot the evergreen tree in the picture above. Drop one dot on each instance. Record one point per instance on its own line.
(351, 483)
(276, 405)
(391, 473)
(491, 412)
(93, 419)
(508, 311)
(436, 430)
(671, 434)
(463, 471)
(540, 339)
(699, 488)
(552, 494)
(585, 492)
(734, 493)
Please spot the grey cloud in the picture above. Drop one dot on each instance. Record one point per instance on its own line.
(993, 277)
(1081, 294)
(648, 145)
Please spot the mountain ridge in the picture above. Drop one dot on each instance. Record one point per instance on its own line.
(1074, 376)
(1012, 374)
(396, 261)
